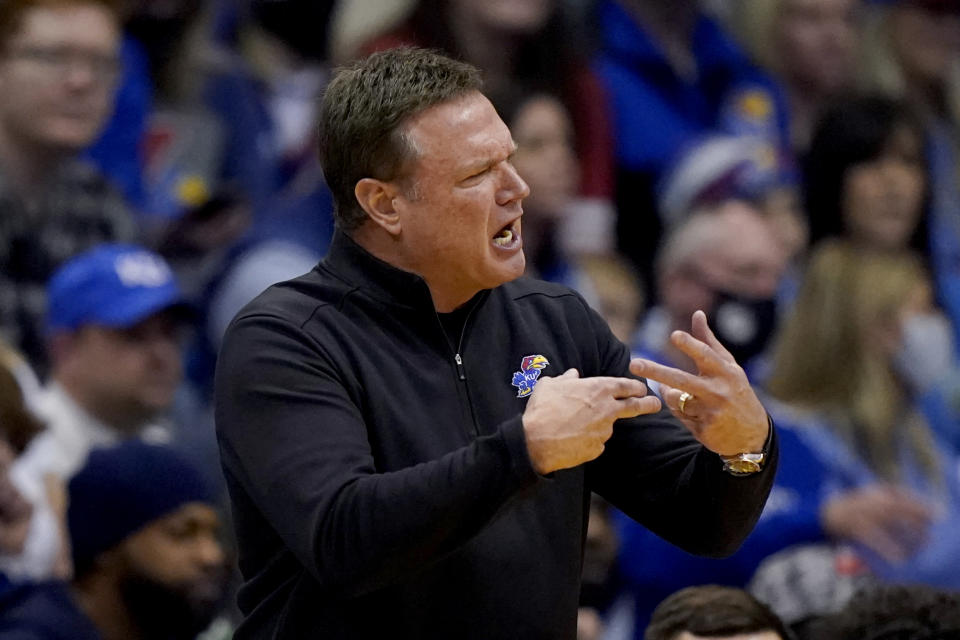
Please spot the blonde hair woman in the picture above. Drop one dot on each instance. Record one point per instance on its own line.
(848, 375)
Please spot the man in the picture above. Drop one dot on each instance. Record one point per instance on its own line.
(148, 561)
(904, 612)
(713, 612)
(58, 68)
(725, 260)
(112, 327)
(397, 465)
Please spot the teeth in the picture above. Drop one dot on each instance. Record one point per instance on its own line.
(504, 238)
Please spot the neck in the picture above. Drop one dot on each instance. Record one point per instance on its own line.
(25, 165)
(119, 416)
(99, 598)
(385, 247)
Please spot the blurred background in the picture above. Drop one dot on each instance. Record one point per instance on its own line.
(791, 167)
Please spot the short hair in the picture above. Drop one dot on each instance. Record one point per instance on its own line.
(896, 612)
(13, 11)
(363, 113)
(712, 610)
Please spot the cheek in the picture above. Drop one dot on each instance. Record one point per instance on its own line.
(859, 189)
(913, 184)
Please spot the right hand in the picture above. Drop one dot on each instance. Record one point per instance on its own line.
(890, 521)
(568, 419)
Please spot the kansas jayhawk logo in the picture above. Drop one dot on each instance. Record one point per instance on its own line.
(526, 379)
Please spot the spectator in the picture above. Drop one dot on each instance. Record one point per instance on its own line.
(724, 167)
(899, 612)
(912, 54)
(148, 562)
(58, 67)
(112, 328)
(674, 76)
(618, 293)
(17, 427)
(725, 261)
(530, 43)
(711, 611)
(847, 371)
(811, 46)
(866, 178)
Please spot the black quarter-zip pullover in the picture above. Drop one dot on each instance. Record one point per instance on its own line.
(378, 469)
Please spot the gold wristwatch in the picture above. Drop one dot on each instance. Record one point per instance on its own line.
(747, 464)
(743, 464)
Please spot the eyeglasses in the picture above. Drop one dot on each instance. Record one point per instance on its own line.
(64, 60)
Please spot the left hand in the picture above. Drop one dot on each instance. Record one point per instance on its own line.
(723, 413)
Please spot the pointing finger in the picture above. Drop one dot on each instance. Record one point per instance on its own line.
(668, 376)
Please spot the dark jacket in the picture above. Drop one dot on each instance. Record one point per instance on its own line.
(43, 611)
(382, 489)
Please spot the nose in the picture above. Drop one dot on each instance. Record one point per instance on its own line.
(209, 552)
(80, 73)
(513, 188)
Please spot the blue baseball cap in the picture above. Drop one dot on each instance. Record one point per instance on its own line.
(112, 285)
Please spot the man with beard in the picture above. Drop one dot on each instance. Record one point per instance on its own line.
(148, 562)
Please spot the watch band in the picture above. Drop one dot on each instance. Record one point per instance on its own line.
(747, 463)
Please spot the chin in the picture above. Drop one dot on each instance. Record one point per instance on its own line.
(72, 138)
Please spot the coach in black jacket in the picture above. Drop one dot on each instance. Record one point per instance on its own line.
(410, 432)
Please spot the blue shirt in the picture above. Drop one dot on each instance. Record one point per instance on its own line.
(657, 112)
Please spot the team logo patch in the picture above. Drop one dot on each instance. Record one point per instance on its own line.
(526, 379)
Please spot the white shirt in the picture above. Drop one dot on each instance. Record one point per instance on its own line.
(55, 454)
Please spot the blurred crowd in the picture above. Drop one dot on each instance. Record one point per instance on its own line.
(791, 167)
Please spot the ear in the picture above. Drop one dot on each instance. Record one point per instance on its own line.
(377, 198)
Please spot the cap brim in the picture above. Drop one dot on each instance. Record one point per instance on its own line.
(144, 305)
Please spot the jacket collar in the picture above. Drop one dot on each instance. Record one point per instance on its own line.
(359, 268)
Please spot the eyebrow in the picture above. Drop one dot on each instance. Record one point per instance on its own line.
(479, 166)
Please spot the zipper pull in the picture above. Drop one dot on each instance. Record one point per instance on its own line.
(460, 371)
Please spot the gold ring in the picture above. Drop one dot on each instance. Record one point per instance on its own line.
(683, 401)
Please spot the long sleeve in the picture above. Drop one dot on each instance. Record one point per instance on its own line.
(655, 471)
(294, 440)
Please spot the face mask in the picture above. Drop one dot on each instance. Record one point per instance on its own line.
(743, 325)
(926, 355)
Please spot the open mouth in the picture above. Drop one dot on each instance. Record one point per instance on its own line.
(508, 237)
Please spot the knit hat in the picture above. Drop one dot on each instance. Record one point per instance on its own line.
(123, 488)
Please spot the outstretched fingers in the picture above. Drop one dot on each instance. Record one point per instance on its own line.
(669, 376)
(702, 331)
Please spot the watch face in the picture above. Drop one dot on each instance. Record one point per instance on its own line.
(743, 466)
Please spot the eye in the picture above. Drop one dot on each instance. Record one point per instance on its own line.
(475, 177)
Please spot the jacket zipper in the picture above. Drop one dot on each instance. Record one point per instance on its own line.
(461, 371)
